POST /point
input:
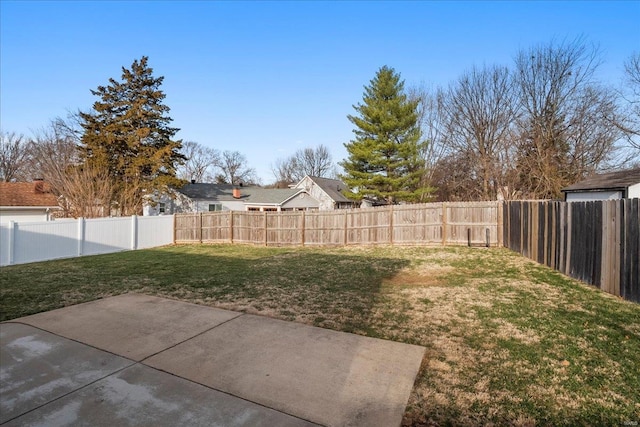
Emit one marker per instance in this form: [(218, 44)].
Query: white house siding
[(634, 191), (325, 203), (301, 201), (149, 210), (227, 205), (176, 204), (203, 205), (24, 215), (588, 196)]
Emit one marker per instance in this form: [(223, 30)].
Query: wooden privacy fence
[(597, 242), (476, 223)]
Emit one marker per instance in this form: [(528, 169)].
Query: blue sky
[(269, 78)]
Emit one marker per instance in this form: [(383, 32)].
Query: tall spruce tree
[(127, 135), (384, 161)]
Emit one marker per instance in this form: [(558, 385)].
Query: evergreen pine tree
[(127, 134), (383, 161)]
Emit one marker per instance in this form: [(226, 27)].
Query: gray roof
[(249, 194), (607, 181), (271, 195), (333, 188)]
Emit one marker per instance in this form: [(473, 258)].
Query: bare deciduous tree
[(85, 191), (14, 157), (629, 120), (431, 120), (479, 115), (284, 170), (592, 136), (453, 177), (53, 151), (234, 169), (314, 162), (564, 131), (201, 163), (307, 161)]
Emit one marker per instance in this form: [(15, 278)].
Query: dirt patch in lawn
[(423, 275), (408, 278)]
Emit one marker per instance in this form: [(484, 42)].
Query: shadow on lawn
[(330, 289)]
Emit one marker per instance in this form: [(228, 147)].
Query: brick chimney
[(236, 193), (38, 186)]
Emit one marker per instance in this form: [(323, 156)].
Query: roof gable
[(271, 195), (37, 193), (607, 181), (332, 187)]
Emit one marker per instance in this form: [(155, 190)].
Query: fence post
[(81, 236), (12, 239), (302, 230), (500, 230), (522, 214), (199, 227), (569, 240), (134, 232), (507, 221), (175, 225), (547, 231), (279, 228), (266, 237), (346, 221), (562, 239), (391, 225), (444, 224), (617, 227), (231, 226)]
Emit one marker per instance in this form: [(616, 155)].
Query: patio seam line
[(119, 355), (229, 394), (133, 363), (71, 339), (191, 337)]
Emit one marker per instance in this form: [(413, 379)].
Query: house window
[(215, 207), (162, 208)]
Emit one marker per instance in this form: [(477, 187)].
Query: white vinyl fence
[(22, 242)]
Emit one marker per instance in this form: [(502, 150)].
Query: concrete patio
[(141, 360)]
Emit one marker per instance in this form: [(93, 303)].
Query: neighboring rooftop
[(607, 181), (248, 194), (36, 193), (333, 188)]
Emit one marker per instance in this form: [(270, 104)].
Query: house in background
[(607, 186), (328, 192), (201, 197), (27, 202), (311, 193)]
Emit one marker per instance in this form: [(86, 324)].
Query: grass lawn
[(509, 342)]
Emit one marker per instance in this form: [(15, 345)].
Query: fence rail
[(478, 223), (597, 242), (41, 241)]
